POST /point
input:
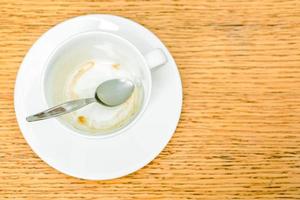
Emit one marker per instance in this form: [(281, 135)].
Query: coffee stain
[(83, 69), (130, 107), (82, 120), (116, 66)]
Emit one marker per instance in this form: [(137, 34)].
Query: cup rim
[(145, 101)]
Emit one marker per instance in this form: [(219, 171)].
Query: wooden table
[(238, 136)]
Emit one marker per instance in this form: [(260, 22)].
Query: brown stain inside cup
[(83, 69), (116, 66), (81, 120)]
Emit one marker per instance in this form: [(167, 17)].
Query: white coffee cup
[(107, 46)]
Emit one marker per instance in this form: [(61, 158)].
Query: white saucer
[(102, 158)]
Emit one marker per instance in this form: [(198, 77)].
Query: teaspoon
[(109, 93)]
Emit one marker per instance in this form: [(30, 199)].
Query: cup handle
[(155, 58)]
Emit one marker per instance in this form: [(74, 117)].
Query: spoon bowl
[(114, 92)]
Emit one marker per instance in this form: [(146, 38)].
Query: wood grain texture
[(238, 137)]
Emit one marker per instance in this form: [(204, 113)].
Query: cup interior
[(80, 64)]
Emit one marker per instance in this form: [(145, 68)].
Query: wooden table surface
[(238, 136)]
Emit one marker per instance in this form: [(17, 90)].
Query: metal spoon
[(110, 93)]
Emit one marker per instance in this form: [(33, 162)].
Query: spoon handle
[(61, 109)]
